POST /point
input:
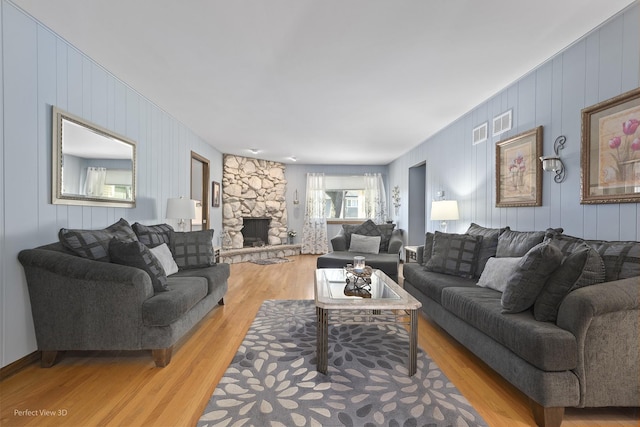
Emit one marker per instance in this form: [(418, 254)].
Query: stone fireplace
[(253, 189), (255, 231)]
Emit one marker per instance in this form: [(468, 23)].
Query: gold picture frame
[(518, 175), (610, 151)]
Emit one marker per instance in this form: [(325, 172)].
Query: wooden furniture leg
[(221, 302), (162, 356), (546, 417), (48, 359)]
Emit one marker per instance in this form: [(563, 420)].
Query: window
[(345, 197)]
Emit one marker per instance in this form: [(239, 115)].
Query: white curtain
[(314, 230), (94, 183), (375, 198)]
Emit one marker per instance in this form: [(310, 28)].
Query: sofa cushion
[(489, 244), (455, 254), (135, 254), (165, 257), (531, 273), (497, 272), (153, 235), (621, 259), (367, 228), (386, 231), (513, 243), (428, 248), (431, 284), (165, 308), (192, 249), (583, 267), (94, 244), (365, 244), (544, 345), (216, 275)]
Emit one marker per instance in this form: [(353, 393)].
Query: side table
[(411, 254)]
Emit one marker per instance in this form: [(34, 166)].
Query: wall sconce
[(554, 163), (444, 210), (295, 198)]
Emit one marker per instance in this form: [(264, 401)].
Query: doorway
[(200, 191), (417, 204)]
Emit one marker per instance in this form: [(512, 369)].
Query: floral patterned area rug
[(272, 380)]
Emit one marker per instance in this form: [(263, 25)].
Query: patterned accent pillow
[(531, 273), (621, 259), (386, 231), (489, 245), (153, 235), (454, 254), (583, 267), (367, 228), (94, 244), (136, 254), (428, 248), (192, 249)]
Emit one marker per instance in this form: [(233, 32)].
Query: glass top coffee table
[(386, 303)]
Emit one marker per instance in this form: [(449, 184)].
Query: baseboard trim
[(18, 365)]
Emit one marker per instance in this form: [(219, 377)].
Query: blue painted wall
[(601, 65), (39, 70)]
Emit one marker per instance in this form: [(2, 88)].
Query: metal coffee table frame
[(390, 304)]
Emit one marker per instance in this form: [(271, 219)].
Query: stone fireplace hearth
[(253, 188)]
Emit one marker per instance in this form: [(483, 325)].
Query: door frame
[(206, 165)]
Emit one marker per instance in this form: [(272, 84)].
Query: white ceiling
[(326, 81)]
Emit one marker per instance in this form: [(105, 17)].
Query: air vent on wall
[(479, 134), (502, 123)]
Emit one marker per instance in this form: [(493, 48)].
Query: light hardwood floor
[(125, 389)]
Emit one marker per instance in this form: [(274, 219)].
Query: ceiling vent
[(480, 134), (502, 123)]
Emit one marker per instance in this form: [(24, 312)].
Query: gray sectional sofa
[(100, 289), (382, 254), (555, 315)]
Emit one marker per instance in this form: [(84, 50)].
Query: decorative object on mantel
[(396, 199), (181, 209), (518, 180), (554, 163), (610, 153), (444, 210)]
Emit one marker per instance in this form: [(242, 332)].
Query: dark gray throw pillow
[(136, 254), (514, 243), (428, 248), (192, 249), (454, 254), (532, 272), (367, 228), (489, 245), (153, 235), (94, 244), (621, 259), (583, 267)]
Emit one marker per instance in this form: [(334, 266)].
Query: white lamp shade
[(181, 208), (444, 210)]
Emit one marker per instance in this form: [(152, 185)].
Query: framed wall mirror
[(92, 166)]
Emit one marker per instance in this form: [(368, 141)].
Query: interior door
[(200, 191)]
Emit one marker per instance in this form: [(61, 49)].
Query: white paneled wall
[(603, 64), (39, 70)]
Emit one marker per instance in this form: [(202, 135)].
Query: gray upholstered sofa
[(575, 342), (386, 257), (79, 303)]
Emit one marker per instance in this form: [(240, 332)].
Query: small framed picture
[(518, 176), (215, 194), (610, 152)]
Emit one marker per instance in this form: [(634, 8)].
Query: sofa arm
[(339, 242), (396, 241), (80, 304), (604, 320)]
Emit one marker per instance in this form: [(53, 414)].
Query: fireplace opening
[(255, 231)]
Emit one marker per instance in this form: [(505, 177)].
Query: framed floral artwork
[(518, 177), (215, 194), (610, 152)]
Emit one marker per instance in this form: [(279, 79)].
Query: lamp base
[(443, 226)]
